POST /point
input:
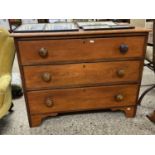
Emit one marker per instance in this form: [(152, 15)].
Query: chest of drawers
[(79, 71)]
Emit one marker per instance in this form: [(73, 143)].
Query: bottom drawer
[(76, 99)]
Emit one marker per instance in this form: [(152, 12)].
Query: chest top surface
[(81, 33)]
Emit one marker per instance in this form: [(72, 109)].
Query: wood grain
[(80, 74), (79, 49), (130, 111), (83, 66), (36, 120), (82, 33), (81, 98)]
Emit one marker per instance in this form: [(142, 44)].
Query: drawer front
[(81, 98), (40, 77), (50, 51)]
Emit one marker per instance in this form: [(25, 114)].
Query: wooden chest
[(79, 71)]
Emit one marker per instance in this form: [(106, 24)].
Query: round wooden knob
[(46, 77), (121, 72), (124, 48), (119, 97), (43, 52), (49, 102)]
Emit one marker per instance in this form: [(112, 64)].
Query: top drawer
[(70, 50)]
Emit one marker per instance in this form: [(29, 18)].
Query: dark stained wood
[(80, 74), (79, 49), (81, 99)]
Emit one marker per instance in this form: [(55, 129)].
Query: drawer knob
[(43, 52), (124, 48), (121, 73), (119, 97), (46, 77), (49, 102)]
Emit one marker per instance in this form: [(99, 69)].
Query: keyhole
[(84, 66), (84, 42)]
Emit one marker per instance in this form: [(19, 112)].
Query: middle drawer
[(55, 76)]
